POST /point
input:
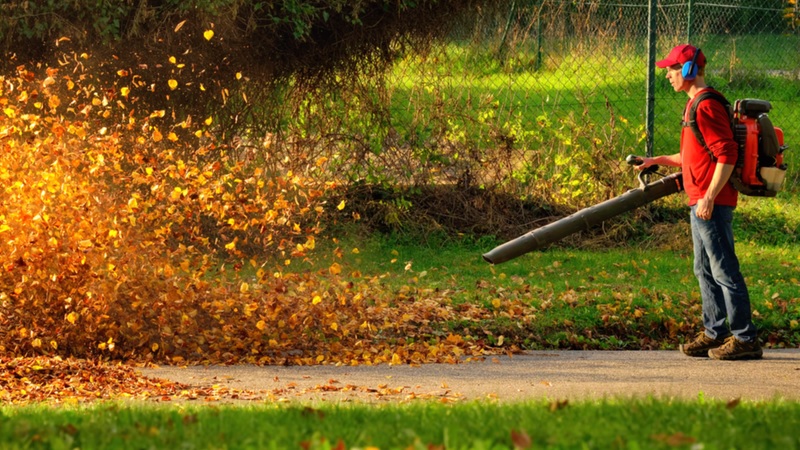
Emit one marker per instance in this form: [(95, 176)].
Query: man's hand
[(704, 209), (646, 162)]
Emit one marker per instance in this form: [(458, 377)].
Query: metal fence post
[(689, 23), (651, 77)]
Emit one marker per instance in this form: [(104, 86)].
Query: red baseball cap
[(682, 54)]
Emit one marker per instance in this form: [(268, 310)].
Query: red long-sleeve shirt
[(696, 163)]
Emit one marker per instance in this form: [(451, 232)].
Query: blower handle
[(634, 160)]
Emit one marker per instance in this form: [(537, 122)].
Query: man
[(706, 171)]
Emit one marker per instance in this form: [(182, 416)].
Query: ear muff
[(689, 71)]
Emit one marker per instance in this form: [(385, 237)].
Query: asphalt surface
[(551, 375)]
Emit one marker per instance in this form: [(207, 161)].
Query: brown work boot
[(734, 349), (701, 344)]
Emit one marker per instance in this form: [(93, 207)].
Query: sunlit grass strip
[(609, 423), (643, 296)]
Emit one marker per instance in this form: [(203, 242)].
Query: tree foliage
[(289, 37)]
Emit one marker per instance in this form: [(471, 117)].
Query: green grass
[(609, 423), (639, 296)]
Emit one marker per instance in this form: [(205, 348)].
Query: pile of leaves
[(135, 235), (55, 379)]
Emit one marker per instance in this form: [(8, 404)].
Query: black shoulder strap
[(692, 123)]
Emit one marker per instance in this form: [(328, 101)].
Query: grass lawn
[(629, 424), (643, 295)]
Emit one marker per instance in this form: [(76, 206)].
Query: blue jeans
[(722, 286)]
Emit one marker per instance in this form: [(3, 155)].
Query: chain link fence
[(555, 92)]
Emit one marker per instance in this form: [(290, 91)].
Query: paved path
[(552, 375)]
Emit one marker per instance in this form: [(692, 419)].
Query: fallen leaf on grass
[(520, 439), (674, 440)]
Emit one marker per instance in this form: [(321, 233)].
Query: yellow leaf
[(172, 136), (317, 299), (72, 317), (238, 75), (231, 246), (173, 84), (335, 269), (209, 120), (335, 326), (125, 91), (154, 347), (157, 136), (53, 101), (244, 288), (341, 206), (172, 59), (208, 34), (261, 325)]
